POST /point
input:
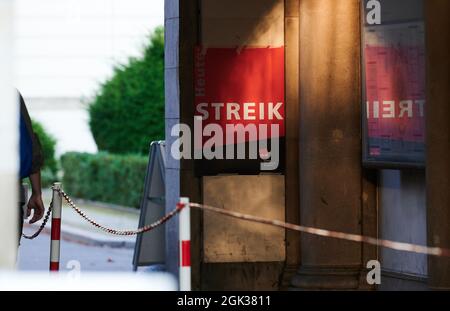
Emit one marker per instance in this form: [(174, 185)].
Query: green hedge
[(104, 177)]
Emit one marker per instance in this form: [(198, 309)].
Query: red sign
[(243, 87)]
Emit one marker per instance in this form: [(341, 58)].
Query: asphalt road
[(34, 255)]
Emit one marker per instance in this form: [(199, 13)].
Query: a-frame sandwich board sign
[(150, 246)]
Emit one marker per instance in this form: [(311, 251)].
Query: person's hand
[(35, 203)]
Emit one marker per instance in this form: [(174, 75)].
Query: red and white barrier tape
[(56, 225), (400, 246)]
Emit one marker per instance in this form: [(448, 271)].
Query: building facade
[(65, 49), (340, 170)]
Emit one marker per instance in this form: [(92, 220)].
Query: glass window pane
[(393, 82)]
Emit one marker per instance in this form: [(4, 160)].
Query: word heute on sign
[(241, 87)]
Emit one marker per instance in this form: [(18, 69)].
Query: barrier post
[(185, 246), (56, 228)]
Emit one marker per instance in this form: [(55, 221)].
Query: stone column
[(438, 137), (9, 139), (172, 117), (331, 176), (180, 39), (291, 39)]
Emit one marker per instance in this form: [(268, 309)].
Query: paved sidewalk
[(74, 227), (34, 255)]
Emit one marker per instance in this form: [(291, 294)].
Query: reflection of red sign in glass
[(240, 87), (395, 91)]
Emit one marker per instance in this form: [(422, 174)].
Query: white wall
[(65, 47)]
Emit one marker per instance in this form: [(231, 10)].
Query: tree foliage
[(128, 111)]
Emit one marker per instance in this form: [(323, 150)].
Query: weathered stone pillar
[(172, 117), (180, 39), (331, 177), (291, 39), (438, 137)]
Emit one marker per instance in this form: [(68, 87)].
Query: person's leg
[(20, 224), (22, 202)]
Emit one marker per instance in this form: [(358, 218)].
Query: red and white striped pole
[(56, 228), (185, 245)]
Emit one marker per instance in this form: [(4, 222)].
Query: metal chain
[(433, 251), (120, 232), (47, 216)]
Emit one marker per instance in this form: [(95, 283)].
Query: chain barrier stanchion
[(406, 247), (56, 227), (144, 229), (183, 207), (184, 226), (42, 226)]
